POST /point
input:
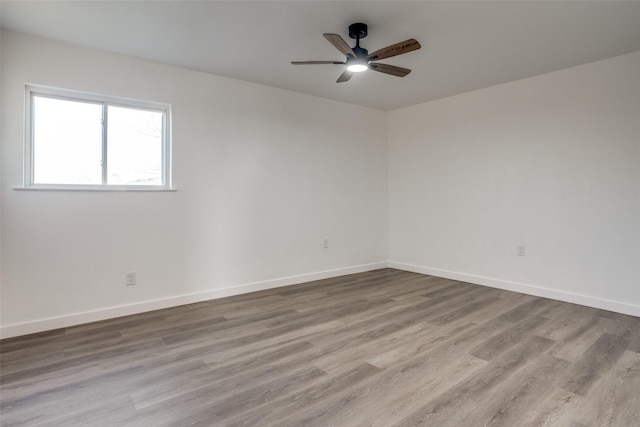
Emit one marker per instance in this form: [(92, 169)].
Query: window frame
[(105, 101)]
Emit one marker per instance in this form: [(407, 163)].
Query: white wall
[(551, 162), (1, 156), (263, 175)]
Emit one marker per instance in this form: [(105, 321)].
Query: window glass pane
[(67, 142), (134, 145)]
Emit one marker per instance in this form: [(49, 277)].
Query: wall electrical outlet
[(521, 250), (325, 243), (131, 278)]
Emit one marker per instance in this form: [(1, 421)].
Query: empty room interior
[(311, 213)]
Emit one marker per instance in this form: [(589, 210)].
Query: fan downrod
[(358, 31)]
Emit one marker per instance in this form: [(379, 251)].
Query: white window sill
[(99, 189)]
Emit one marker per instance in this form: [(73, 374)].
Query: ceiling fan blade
[(390, 69), (339, 43), (395, 49), (345, 77), (315, 62)]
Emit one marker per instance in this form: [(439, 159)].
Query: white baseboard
[(590, 301), (41, 325)]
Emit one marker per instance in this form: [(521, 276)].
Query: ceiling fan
[(358, 59)]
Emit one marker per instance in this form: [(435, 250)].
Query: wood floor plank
[(561, 408), (295, 408), (619, 394), (627, 327), (524, 310), (211, 405), (596, 361), (402, 398), (501, 342), (379, 348), (446, 408), (408, 373), (523, 391), (574, 344)]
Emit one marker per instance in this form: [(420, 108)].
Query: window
[(86, 141)]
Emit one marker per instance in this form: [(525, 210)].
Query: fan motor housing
[(360, 52), (358, 30)]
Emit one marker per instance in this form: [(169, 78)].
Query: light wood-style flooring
[(383, 348)]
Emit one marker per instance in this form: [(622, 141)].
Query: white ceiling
[(465, 45)]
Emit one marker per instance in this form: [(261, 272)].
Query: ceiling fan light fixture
[(357, 67)]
